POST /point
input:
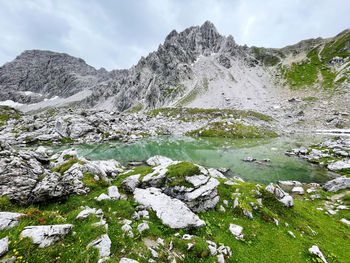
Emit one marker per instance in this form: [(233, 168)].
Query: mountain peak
[(207, 25)]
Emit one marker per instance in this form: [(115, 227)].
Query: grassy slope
[(315, 70), (263, 240), (192, 114), (232, 130)]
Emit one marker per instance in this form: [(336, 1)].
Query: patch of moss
[(67, 140), (309, 98), (192, 114), (177, 173), (232, 130), (65, 166)]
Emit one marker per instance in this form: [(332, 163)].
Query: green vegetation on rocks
[(177, 173), (7, 113), (233, 130), (192, 114)]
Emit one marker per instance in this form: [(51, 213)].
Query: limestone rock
[(127, 260), (316, 251), (158, 160), (113, 192), (337, 184), (4, 247), (338, 165), (103, 244), (9, 219), (46, 235), (172, 212), (130, 183), (236, 230)]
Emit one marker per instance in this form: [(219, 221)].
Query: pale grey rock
[(9, 219), (172, 212), (288, 185), (298, 190), (291, 233), (316, 196), (247, 213), (287, 200), (221, 258), (46, 235), (337, 184), (130, 183), (103, 244), (88, 211), (215, 173), (345, 221), (142, 227), (102, 197), (127, 260), (236, 230), (159, 160), (9, 260), (280, 195), (4, 246), (338, 165), (316, 251), (249, 159), (25, 177), (113, 192)]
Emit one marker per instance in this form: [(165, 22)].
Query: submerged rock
[(46, 235), (171, 211)]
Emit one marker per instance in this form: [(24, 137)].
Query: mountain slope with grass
[(197, 68)]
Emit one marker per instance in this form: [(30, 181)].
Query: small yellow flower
[(16, 253), (14, 250)]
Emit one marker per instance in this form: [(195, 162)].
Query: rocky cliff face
[(197, 67)]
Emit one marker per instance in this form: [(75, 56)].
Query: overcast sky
[(115, 34)]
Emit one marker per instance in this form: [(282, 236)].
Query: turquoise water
[(220, 152)]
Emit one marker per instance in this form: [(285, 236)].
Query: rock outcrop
[(171, 211), (46, 235)]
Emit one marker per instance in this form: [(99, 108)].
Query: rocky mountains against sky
[(189, 69)]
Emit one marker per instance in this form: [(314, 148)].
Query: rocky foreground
[(61, 207)]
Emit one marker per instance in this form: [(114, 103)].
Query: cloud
[(115, 34)]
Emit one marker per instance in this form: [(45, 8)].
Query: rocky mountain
[(189, 69)]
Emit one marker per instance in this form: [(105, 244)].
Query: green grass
[(233, 130), (315, 70), (65, 166), (177, 173), (263, 241), (309, 99), (7, 113), (192, 114)]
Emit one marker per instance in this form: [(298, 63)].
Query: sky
[(114, 34)]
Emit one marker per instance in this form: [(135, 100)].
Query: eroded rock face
[(27, 176), (202, 197), (337, 184), (171, 211), (46, 235)]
